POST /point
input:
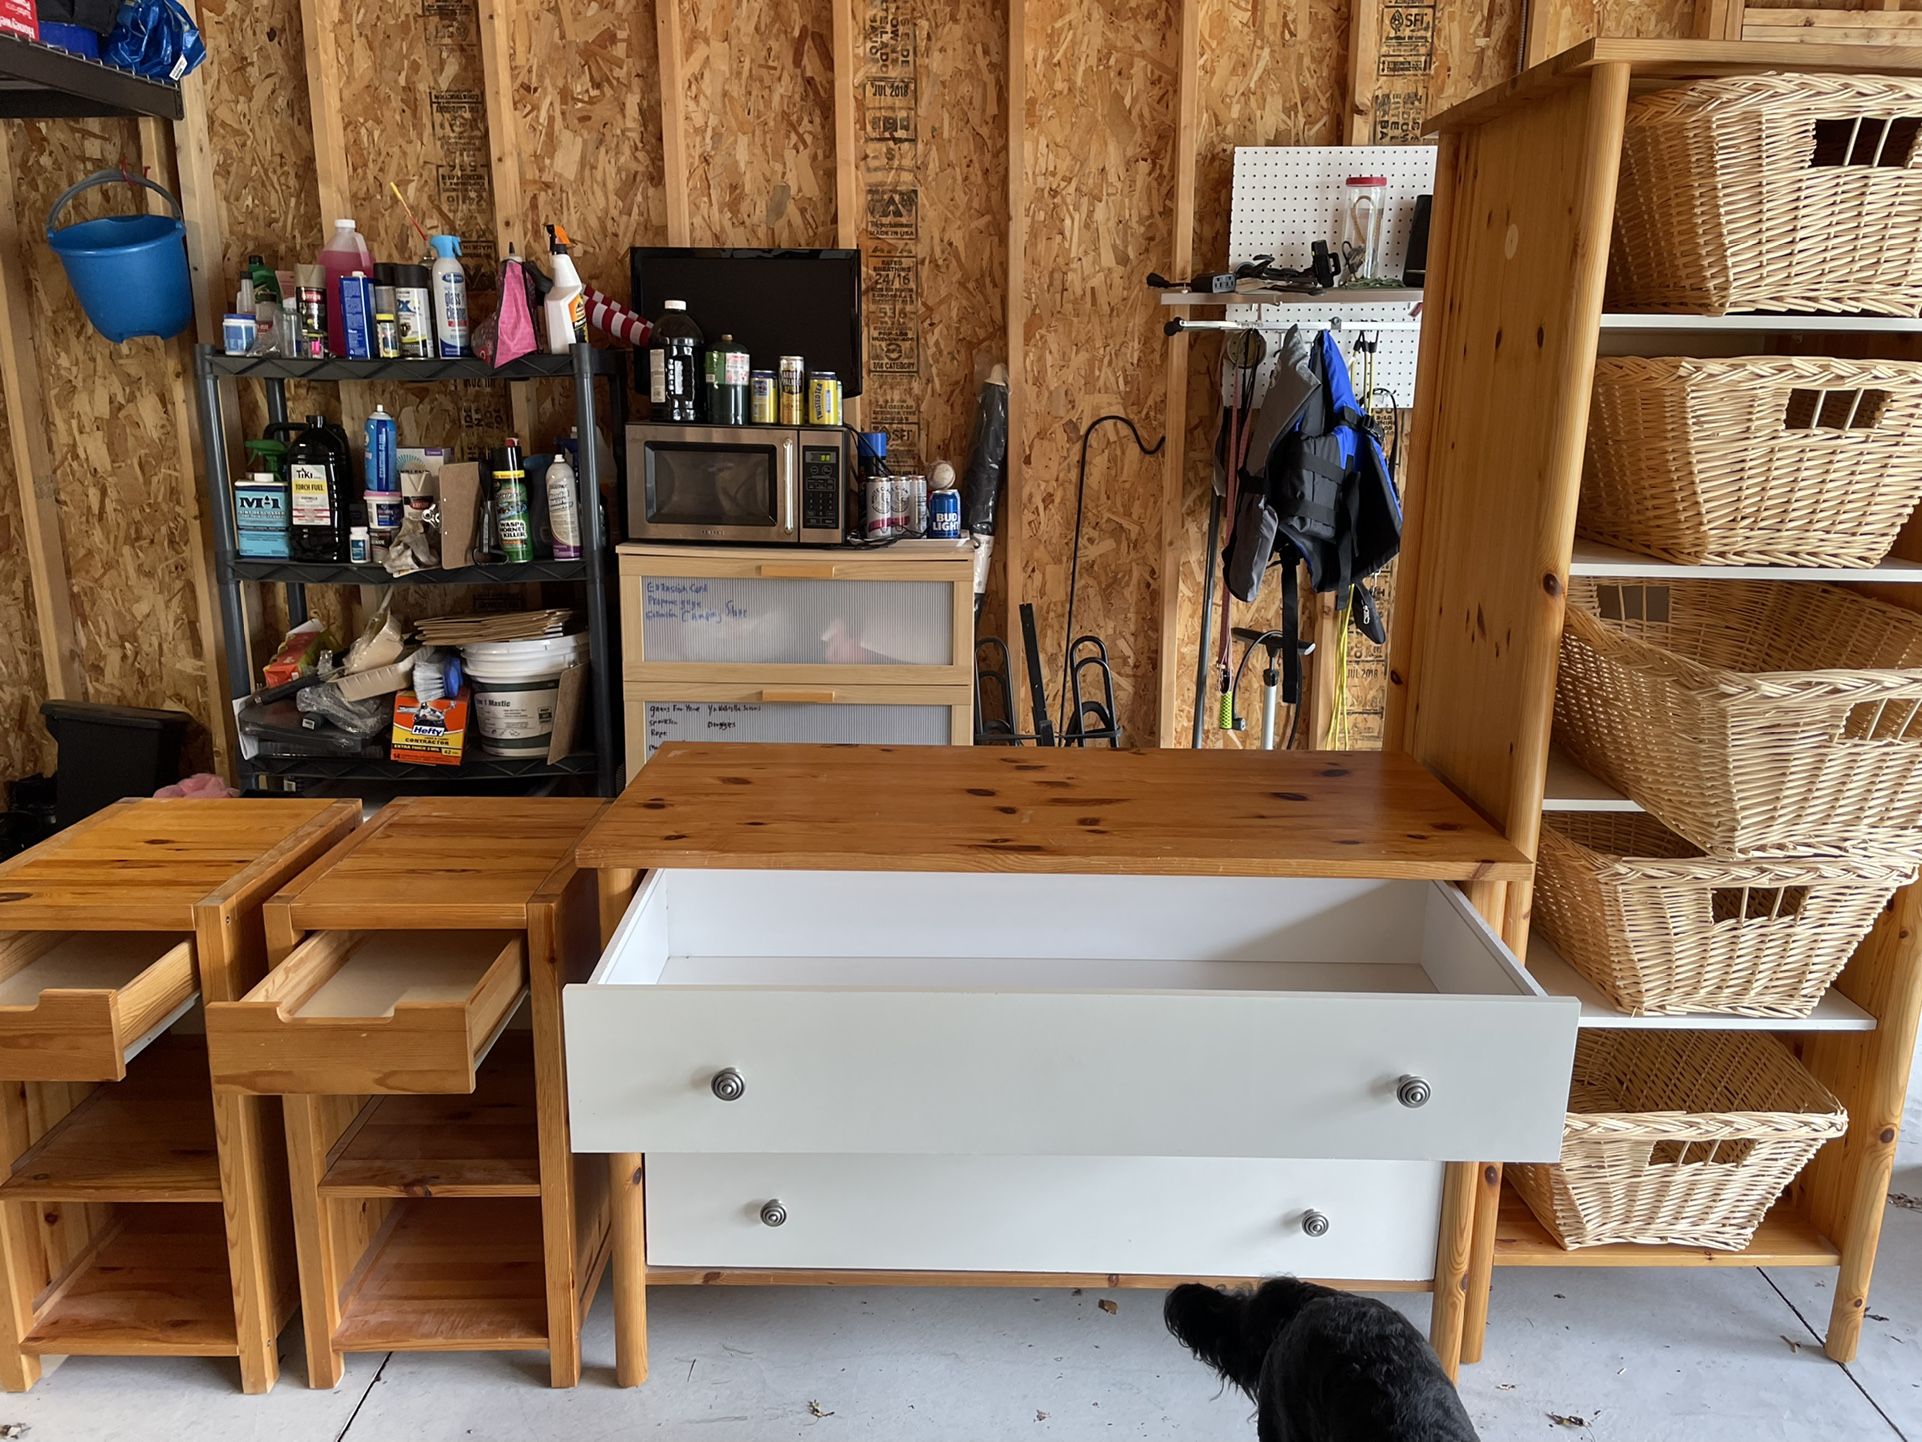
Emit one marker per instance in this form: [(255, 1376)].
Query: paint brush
[(424, 239)]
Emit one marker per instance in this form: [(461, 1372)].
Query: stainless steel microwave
[(737, 483)]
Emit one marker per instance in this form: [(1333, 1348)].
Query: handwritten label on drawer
[(795, 721), (690, 603), (796, 621)]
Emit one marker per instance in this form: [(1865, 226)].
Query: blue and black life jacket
[(1315, 486)]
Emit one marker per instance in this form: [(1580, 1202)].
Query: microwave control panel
[(821, 487)]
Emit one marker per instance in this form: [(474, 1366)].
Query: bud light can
[(944, 515)]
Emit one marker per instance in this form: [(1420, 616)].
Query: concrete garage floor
[(1589, 1356)]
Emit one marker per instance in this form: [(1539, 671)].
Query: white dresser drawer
[(1001, 1014), (1152, 1216), (663, 711)]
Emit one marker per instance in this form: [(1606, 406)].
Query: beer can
[(762, 409), (878, 512), (915, 505), (944, 515), (791, 390), (824, 399)]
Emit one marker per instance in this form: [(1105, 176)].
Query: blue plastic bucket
[(129, 271)]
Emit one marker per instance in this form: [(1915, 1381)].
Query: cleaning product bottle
[(566, 306), (382, 459), (266, 282), (674, 365), (450, 299), (318, 517), (344, 254), (260, 503), (563, 511)]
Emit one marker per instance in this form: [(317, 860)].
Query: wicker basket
[(1663, 930), (1751, 717), (1771, 192), (1757, 460), (1678, 1137)]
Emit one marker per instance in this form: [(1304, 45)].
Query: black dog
[(1321, 1365)]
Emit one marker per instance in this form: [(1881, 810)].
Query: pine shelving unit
[(411, 1028), (137, 1207), (1524, 203)]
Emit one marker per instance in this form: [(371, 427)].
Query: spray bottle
[(566, 305), (450, 299)]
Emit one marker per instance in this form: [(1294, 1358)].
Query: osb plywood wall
[(931, 120), (1093, 149), (24, 747), (1097, 172), (111, 428), (759, 111)]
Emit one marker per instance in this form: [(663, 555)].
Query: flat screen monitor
[(773, 302)]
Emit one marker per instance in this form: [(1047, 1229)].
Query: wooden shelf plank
[(1570, 788), (431, 862), (1765, 324), (450, 1276), (814, 1277), (149, 1138), (1335, 296), (1834, 1012), (479, 1145), (982, 808), (189, 850), (1786, 1238), (1592, 558), (158, 1287)]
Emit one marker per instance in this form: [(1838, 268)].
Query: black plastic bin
[(110, 752)]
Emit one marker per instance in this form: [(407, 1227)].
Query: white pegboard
[(1288, 196)]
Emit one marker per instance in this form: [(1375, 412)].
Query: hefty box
[(433, 733), (18, 17)]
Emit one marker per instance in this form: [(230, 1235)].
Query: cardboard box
[(460, 495), (433, 733)]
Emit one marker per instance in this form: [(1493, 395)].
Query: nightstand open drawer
[(77, 1005), (1018, 1014), (1143, 1216), (860, 618), (353, 1012)]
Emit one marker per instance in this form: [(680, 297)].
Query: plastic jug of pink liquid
[(344, 254)]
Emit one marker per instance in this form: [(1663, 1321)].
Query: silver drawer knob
[(728, 1084), (1314, 1223), (1413, 1091), (773, 1214)]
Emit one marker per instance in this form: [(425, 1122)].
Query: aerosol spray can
[(311, 287), (413, 314), (450, 300), (509, 490)]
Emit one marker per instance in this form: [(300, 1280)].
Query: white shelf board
[(1592, 558), (1337, 295), (1858, 324), (1569, 788), (1834, 1012)]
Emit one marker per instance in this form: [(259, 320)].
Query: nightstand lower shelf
[(157, 1285), (1786, 1238), (450, 1276)]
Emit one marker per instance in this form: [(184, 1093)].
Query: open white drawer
[(994, 1014)]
